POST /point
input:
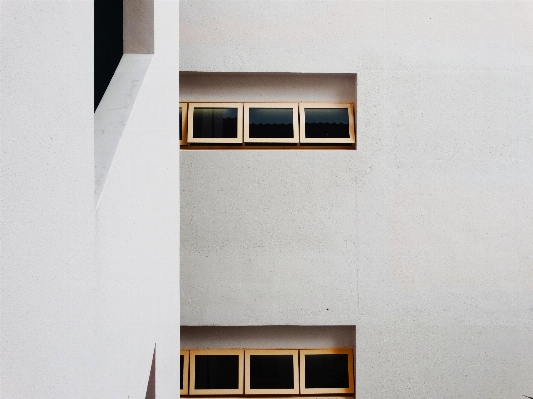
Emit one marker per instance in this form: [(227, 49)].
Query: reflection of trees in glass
[(271, 130), (327, 130), (215, 122)]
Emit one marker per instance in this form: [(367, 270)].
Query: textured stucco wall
[(421, 237)]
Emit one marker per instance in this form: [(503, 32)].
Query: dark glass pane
[(271, 372), (271, 123), (215, 123), (181, 124), (331, 123), (216, 372), (182, 359), (326, 371)]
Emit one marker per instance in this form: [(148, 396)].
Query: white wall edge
[(113, 112)]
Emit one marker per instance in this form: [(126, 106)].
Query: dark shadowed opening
[(216, 372), (271, 372), (326, 371), (108, 47)]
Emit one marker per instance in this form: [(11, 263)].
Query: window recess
[(267, 126), (215, 123), (268, 372)]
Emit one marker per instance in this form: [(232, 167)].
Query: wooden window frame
[(237, 140), (185, 372), (351, 123), (338, 351), (184, 117), (250, 391), (296, 129), (212, 392)]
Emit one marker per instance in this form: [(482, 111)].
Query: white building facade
[(421, 238), (418, 244)]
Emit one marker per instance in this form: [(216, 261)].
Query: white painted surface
[(113, 111), (138, 231), (85, 294), (421, 237), (48, 278)]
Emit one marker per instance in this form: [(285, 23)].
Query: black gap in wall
[(108, 47)]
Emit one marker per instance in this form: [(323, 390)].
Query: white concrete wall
[(48, 275), (85, 293), (138, 231), (421, 237)]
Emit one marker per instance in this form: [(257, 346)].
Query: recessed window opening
[(215, 372), (263, 125)]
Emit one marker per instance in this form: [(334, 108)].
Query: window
[(326, 123), (216, 372), (271, 372), (216, 123), (267, 125), (326, 371), (271, 123)]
